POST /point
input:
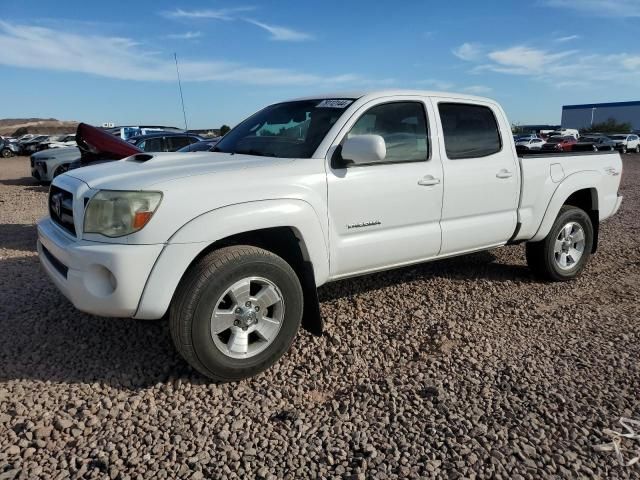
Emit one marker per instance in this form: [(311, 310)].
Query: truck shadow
[(45, 338), (476, 266), (31, 183)]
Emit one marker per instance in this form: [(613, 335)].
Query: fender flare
[(199, 233), (585, 180)]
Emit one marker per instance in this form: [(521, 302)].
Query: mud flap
[(311, 319)]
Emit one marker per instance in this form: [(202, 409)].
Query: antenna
[(175, 57)]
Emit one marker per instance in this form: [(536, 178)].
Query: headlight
[(115, 213)]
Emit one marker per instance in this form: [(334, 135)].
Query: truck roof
[(389, 92)]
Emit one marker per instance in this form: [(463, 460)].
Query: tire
[(623, 150), (543, 257), (60, 170), (638, 148), (206, 289), (595, 149), (6, 153)]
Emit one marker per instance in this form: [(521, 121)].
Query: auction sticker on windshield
[(334, 103)]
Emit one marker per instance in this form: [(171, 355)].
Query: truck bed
[(542, 174)]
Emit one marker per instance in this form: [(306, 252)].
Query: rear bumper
[(103, 279)]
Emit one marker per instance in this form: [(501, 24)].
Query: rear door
[(387, 214), (482, 177)]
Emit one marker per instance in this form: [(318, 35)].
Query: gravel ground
[(461, 368)]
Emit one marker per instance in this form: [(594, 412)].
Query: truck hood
[(145, 170)]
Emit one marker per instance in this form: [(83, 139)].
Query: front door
[(388, 213)]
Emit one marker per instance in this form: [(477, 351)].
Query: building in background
[(583, 116)]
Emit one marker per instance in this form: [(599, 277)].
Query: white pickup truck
[(231, 245)]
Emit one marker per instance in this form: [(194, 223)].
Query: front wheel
[(6, 153), (638, 148), (564, 252), (236, 312), (623, 150)]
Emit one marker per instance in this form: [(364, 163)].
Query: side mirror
[(362, 149)]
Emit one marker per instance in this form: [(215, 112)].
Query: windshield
[(555, 140), (618, 137), (287, 130)]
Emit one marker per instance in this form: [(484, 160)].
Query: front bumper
[(103, 279)]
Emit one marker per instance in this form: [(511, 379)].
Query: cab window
[(403, 126), (470, 131)]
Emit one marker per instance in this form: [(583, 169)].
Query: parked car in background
[(565, 132), (48, 164), (203, 146), (164, 141), (26, 137), (10, 148), (155, 142), (626, 142), (129, 131), (32, 144), (595, 143), (559, 144), (529, 143), (67, 140), (527, 136)]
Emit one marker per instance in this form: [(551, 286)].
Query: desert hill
[(49, 126)]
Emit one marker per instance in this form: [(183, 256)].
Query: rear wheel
[(6, 153), (564, 253), (623, 150), (236, 312)]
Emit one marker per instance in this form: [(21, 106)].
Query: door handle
[(428, 181), (504, 173)]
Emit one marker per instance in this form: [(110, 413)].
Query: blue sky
[(113, 61)]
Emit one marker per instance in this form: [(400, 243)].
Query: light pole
[(593, 111)]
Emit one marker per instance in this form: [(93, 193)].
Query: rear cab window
[(469, 130)]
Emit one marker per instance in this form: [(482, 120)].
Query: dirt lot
[(462, 368)]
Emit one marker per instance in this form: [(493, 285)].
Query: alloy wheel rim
[(247, 317), (569, 246)]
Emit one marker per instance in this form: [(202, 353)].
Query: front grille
[(61, 208)]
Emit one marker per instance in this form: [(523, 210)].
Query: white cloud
[(185, 36), (478, 89), (218, 14), (567, 68), (281, 33), (601, 8), (568, 38), (524, 60), (122, 58), (468, 51)]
